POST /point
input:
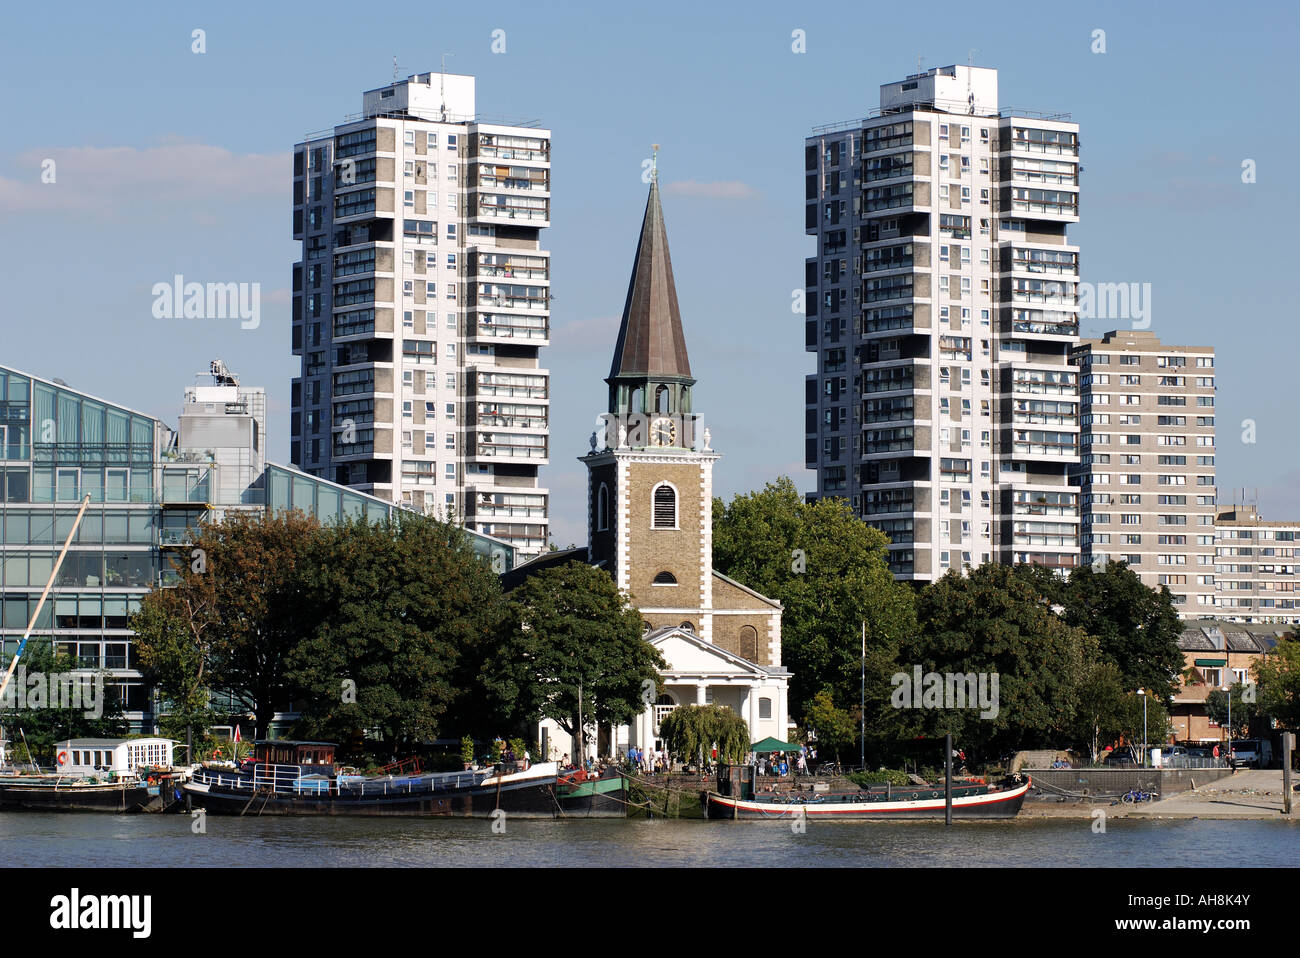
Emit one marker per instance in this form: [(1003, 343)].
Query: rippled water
[(37, 838)]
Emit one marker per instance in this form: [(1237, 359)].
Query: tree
[(570, 632), (1137, 626), (174, 631), (1277, 675), (1242, 713), (829, 570), (1100, 715), (993, 625), (691, 731), (240, 607), (835, 727), (400, 604)]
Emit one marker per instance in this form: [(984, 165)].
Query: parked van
[(1252, 753)]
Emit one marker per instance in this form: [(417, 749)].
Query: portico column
[(753, 712), (701, 693)]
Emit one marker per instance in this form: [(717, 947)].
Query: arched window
[(663, 399), (636, 402), (665, 578), (602, 508), (646, 628), (749, 642), (665, 507), (687, 627)]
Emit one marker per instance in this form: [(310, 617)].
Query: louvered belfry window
[(665, 506)]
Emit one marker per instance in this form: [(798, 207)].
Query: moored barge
[(298, 778), (970, 800)]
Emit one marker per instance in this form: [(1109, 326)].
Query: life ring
[(63, 758)]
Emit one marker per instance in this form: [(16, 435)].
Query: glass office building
[(148, 490)]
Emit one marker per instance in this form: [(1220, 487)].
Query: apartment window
[(450, 411), (410, 138), (451, 141), (451, 320), (432, 143)]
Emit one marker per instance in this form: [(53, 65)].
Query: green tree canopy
[(994, 623), (399, 604), (835, 727), (240, 605), (1277, 675), (569, 629), (690, 732), (1137, 626), (829, 570)]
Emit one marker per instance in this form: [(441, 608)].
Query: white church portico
[(701, 673)]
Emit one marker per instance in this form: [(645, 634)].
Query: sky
[(168, 161)]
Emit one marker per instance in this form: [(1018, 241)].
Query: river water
[(83, 840)]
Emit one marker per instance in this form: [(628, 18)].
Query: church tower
[(650, 469)]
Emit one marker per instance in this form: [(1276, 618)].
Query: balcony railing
[(515, 272), (513, 392), (501, 450)]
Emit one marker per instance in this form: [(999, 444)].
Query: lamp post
[(1143, 693), (1228, 688)]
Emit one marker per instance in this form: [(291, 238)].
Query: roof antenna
[(970, 94), (394, 67), (443, 85)]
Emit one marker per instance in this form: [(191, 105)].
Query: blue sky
[(174, 162)]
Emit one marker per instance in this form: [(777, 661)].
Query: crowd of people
[(646, 761)]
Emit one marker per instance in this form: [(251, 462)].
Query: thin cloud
[(109, 182), (718, 189)]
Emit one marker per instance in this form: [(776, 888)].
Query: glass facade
[(58, 446)]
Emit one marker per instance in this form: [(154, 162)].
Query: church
[(650, 525)]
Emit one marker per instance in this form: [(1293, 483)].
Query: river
[(84, 840)]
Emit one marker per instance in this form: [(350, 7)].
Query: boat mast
[(72, 533)]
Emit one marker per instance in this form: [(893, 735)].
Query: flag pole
[(862, 740)]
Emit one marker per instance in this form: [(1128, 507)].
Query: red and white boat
[(879, 803)]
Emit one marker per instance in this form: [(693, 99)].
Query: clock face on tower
[(663, 432)]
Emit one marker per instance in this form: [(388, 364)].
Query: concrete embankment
[(1246, 794)]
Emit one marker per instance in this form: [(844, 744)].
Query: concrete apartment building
[(1255, 571), (941, 304), (421, 305), (1146, 473)]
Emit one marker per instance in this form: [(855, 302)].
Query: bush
[(881, 776)]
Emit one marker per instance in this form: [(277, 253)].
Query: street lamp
[(1228, 688), (1143, 693)]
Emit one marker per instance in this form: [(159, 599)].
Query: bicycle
[(830, 769), (1135, 795)]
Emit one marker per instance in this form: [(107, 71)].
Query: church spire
[(651, 350)]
